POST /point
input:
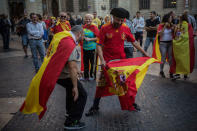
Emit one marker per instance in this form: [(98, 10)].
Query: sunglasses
[(63, 16)]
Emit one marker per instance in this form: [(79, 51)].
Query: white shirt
[(139, 24), (35, 30), (167, 35)]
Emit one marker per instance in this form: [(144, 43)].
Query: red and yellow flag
[(156, 51), (44, 81), (183, 51), (123, 78)]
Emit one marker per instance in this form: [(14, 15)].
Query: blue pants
[(148, 41), (37, 47), (129, 52), (165, 48)]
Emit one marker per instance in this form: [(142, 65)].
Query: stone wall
[(35, 6), (4, 7)]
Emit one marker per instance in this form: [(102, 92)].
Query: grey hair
[(77, 29)]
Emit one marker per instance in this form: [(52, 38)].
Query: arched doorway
[(55, 8), (16, 8)]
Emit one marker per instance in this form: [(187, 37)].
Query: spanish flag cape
[(92, 28), (183, 51), (44, 81), (123, 78), (61, 26), (65, 26), (156, 51)]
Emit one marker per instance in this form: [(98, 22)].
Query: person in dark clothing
[(175, 20), (151, 28), (22, 31), (79, 20), (71, 20), (5, 29)]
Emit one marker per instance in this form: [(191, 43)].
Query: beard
[(116, 25)]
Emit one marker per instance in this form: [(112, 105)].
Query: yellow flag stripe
[(181, 51)]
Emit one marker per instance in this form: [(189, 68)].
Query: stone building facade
[(102, 7)]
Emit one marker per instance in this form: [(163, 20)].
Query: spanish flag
[(44, 81), (123, 78), (156, 51), (183, 51)]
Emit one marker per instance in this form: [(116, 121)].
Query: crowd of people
[(114, 37)]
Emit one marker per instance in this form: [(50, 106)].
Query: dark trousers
[(139, 37), (6, 39), (129, 52), (74, 109), (88, 56)]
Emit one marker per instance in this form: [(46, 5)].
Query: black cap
[(119, 12)]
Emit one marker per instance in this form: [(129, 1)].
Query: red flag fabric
[(123, 78)]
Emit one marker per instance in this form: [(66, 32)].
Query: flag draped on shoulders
[(93, 28), (123, 78), (44, 81), (156, 51), (183, 51)]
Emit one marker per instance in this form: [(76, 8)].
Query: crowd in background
[(51, 25)]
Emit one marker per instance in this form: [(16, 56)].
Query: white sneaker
[(91, 78)]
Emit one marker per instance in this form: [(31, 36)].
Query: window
[(169, 4), (83, 5), (113, 4), (69, 5), (144, 4)]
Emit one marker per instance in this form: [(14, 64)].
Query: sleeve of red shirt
[(129, 35), (101, 36)]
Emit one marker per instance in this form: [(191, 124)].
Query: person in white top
[(139, 24), (165, 45)]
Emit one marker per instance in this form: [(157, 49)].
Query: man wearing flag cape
[(111, 47), (61, 65), (62, 24)]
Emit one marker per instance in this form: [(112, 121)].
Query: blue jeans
[(148, 41), (165, 48), (37, 47)]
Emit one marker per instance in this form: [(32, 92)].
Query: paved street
[(165, 105)]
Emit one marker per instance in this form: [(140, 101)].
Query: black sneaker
[(92, 111), (171, 76), (185, 77), (26, 56), (177, 76), (162, 74), (137, 108), (74, 126)]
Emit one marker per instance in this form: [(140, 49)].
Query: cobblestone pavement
[(165, 105)]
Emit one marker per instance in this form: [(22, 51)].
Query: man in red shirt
[(111, 45), (62, 25)]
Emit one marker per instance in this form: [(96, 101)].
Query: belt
[(36, 39)]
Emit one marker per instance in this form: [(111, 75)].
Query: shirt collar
[(74, 37)]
